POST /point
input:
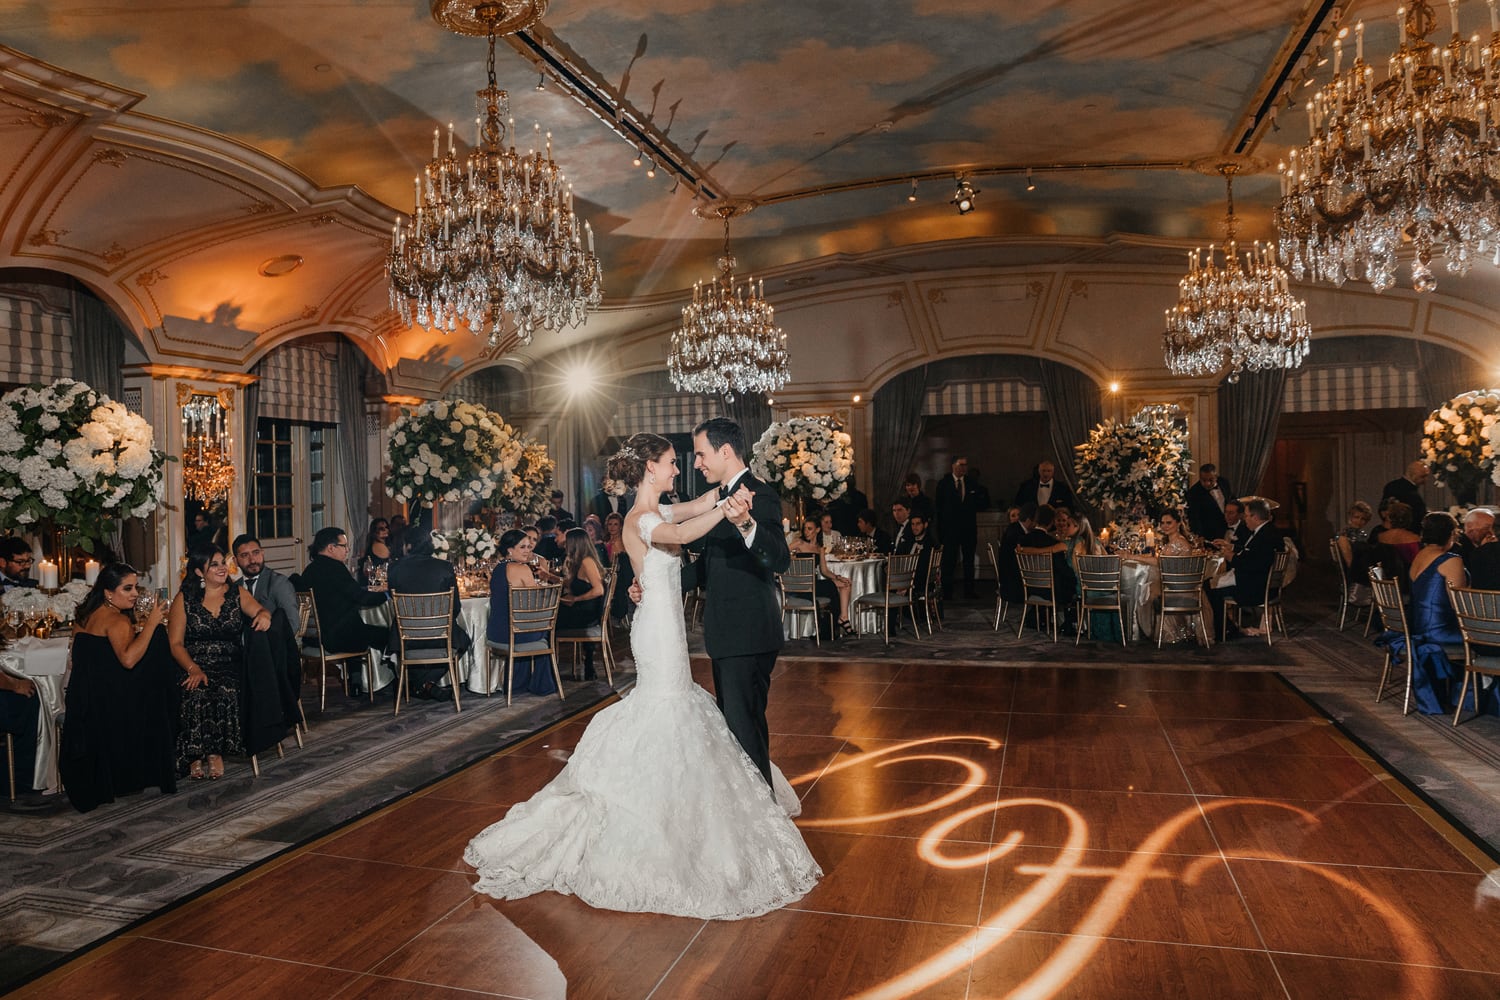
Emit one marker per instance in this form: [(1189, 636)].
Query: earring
[(651, 478)]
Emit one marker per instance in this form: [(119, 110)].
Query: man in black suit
[(957, 510), (274, 592), (548, 544), (1046, 488), (1479, 549), (1408, 489), (1251, 563), (558, 511), (1236, 531), (1039, 540), (741, 612), (605, 504), (1010, 570), (15, 564), (865, 526), (339, 597), (1205, 503), (846, 508), (922, 541), (423, 573), (901, 540)]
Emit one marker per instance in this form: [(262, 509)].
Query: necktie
[(723, 492), (960, 483)]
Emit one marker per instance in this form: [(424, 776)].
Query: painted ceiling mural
[(777, 101)]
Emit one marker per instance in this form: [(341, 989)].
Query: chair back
[(994, 550), (609, 577), (1387, 594), (424, 617), (1181, 582), (1277, 577), (900, 573), (1478, 614), (934, 564), (307, 616), (1338, 561), (534, 609), (801, 578), (1036, 570), (1099, 574)]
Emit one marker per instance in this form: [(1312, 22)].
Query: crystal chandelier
[(729, 343), (1235, 315), (494, 234), (207, 450), (1412, 157)]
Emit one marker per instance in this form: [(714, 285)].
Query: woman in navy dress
[(1433, 624), (533, 673)]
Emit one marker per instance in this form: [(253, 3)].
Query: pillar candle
[(90, 572), (47, 574)]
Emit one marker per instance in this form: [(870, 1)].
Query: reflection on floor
[(986, 831)]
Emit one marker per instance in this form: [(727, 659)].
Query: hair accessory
[(628, 453)]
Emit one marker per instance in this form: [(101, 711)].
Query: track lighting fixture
[(963, 196), (650, 167), (637, 159), (1030, 183), (913, 195)]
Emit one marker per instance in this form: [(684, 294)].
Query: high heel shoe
[(215, 768), (195, 771), (846, 629)]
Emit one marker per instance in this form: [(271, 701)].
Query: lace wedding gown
[(658, 810)]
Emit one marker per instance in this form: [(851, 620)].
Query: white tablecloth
[(1140, 583), (474, 612), (864, 577), (45, 663)]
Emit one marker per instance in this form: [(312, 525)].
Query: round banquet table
[(474, 614), (45, 663), (1140, 582), (865, 576)]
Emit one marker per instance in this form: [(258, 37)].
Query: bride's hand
[(635, 592)]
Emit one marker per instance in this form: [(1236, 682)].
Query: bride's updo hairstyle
[(627, 467)]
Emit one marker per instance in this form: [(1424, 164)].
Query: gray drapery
[(354, 464), (249, 432), (1444, 373), (98, 344), (753, 415), (898, 421), (1249, 414), (1074, 407)]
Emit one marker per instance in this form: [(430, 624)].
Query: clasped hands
[(736, 507)]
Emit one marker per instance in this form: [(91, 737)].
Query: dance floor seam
[(1058, 853)]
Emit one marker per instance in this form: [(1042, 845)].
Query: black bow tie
[(1047, 483), (723, 492)]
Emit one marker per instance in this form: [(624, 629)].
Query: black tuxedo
[(1205, 515), (25, 583), (742, 615), (901, 541), (550, 549), (1483, 564), (923, 548), (1009, 570), (1062, 493), (1063, 577), (601, 505), (1406, 491), (428, 575), (919, 504), (1241, 534), (957, 520), (1252, 567), (339, 598)]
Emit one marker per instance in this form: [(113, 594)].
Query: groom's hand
[(635, 591)]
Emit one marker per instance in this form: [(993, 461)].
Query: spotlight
[(650, 167), (541, 82), (913, 195), (637, 160), (1114, 387), (963, 196), (1030, 184)]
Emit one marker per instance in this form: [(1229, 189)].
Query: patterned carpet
[(72, 880)]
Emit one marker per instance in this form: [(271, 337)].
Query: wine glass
[(145, 600)]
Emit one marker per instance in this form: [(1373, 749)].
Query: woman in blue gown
[(533, 673), (1435, 677)]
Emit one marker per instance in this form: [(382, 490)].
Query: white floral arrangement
[(75, 458), (450, 450), (804, 459), (1143, 462), (33, 601), (1458, 443), (468, 547), (528, 493)]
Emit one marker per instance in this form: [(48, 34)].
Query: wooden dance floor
[(985, 832)]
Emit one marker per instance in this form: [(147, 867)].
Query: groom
[(737, 567)]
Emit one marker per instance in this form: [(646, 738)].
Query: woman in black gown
[(121, 728), (205, 627), (582, 601)]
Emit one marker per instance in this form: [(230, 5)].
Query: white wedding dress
[(659, 810)]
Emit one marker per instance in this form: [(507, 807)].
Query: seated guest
[(204, 628), (582, 600), (1041, 540), (377, 550), (865, 524), (1398, 545), (915, 499), (1479, 549), (827, 583), (558, 511), (122, 699), (1010, 571), (1236, 531), (828, 536), (549, 541), (595, 529), (1355, 550), (901, 540), (20, 715), (339, 598), (1433, 623), (423, 573), (397, 540), (533, 673), (15, 564), (614, 549), (1250, 565), (923, 541)]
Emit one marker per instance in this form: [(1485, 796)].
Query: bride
[(658, 810)]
